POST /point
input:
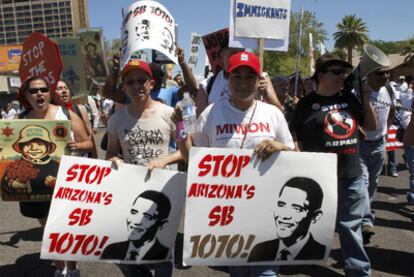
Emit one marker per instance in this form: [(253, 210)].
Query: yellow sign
[(10, 57)]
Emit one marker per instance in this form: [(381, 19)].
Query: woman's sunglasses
[(336, 71), (35, 90)]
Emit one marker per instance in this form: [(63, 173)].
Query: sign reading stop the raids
[(147, 25), (30, 154), (40, 57), (244, 211), (124, 215), (214, 43), (251, 20)]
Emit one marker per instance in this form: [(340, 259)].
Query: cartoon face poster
[(30, 152)]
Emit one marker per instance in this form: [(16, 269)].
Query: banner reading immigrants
[(30, 155)]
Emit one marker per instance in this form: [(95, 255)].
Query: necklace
[(248, 125)]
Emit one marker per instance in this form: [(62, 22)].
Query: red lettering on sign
[(87, 173), (227, 166), (221, 215), (85, 244), (80, 217)]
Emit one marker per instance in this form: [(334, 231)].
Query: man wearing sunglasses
[(327, 120), (372, 148)]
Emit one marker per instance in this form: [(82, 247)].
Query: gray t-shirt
[(143, 140)]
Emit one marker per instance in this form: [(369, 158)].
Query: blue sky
[(386, 20)]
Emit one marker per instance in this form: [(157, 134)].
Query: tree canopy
[(352, 33), (281, 63)]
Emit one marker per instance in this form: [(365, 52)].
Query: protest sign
[(239, 209), (101, 214), (73, 72), (160, 58), (194, 48), (214, 43), (147, 25), (10, 56), (30, 155), (93, 52), (40, 57), (258, 19)]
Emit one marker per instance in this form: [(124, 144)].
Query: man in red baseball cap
[(142, 130), (241, 110)]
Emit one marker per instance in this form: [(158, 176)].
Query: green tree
[(352, 32), (389, 47), (408, 48), (284, 63)]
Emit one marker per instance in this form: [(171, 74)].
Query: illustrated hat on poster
[(32, 132)]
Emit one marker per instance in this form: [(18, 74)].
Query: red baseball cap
[(244, 59), (136, 64)]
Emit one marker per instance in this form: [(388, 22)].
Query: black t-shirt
[(329, 124)]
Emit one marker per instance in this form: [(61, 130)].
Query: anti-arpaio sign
[(239, 209), (97, 212), (40, 57)]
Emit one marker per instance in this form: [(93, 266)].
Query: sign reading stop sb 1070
[(40, 57)]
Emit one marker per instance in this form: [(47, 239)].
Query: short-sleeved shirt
[(143, 140), (168, 95), (382, 103), (224, 126), (219, 90), (329, 124)]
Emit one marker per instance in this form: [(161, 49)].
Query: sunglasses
[(35, 90), (382, 73), (336, 72), (140, 82)]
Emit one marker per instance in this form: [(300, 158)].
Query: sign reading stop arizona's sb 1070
[(239, 208), (40, 57), (97, 212)]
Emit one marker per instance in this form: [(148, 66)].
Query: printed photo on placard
[(30, 155)]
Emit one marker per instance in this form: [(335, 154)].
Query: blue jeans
[(409, 155), (164, 269), (392, 162), (351, 198), (372, 157), (254, 271)]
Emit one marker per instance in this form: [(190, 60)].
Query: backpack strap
[(210, 83), (65, 111)]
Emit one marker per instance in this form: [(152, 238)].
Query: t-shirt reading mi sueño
[(143, 140), (224, 126), (329, 124)]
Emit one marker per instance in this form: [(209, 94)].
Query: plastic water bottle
[(189, 114)]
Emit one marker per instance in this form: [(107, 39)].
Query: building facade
[(53, 18)]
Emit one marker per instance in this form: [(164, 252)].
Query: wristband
[(180, 133)]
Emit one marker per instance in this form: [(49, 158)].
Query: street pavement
[(391, 250)]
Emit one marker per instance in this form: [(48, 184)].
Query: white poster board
[(97, 212), (194, 49), (238, 208), (148, 25), (250, 25)]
